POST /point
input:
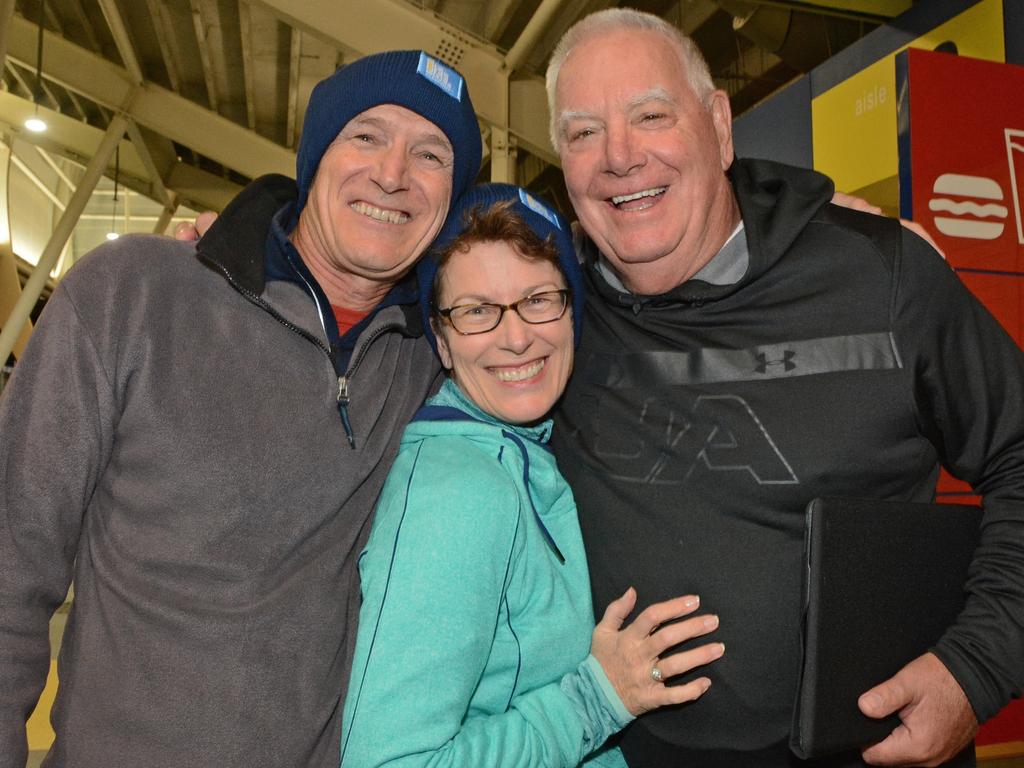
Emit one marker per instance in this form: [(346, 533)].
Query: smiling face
[(517, 371), (380, 194), (644, 159)]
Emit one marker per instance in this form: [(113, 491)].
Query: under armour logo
[(786, 362)]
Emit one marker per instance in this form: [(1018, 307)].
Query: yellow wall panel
[(854, 128), (854, 124), (40, 734)]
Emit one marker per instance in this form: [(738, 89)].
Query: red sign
[(962, 170), (961, 140)]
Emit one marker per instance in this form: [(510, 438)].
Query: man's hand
[(938, 720), (923, 233), (856, 203), (192, 231)]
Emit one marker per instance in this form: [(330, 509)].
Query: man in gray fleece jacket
[(197, 436)]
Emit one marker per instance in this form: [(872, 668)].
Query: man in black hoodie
[(749, 347)]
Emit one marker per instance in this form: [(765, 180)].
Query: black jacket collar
[(236, 243)]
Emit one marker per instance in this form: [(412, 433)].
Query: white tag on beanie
[(444, 77), (538, 207)]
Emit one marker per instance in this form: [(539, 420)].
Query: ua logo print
[(721, 433), (786, 361)]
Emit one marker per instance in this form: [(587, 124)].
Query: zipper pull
[(343, 410)]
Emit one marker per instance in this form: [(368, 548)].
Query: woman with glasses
[(476, 620)]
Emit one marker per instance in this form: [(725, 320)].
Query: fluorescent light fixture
[(35, 125)]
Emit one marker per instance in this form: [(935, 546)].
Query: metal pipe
[(537, 24), (30, 293)]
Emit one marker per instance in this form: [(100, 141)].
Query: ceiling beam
[(72, 139), (391, 24), (39, 183), (170, 115), (160, 148), (6, 12), (294, 59), (76, 102), (497, 16), (204, 53), (248, 65), (19, 79), (50, 95), (552, 33), (52, 18), (83, 21), (167, 41), (200, 190), (690, 15), (529, 36), (121, 39), (77, 142), (160, 193), (61, 174)]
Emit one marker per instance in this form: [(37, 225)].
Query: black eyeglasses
[(535, 309)]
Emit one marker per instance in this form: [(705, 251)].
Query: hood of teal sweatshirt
[(522, 449)]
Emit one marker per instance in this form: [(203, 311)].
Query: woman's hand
[(630, 656)]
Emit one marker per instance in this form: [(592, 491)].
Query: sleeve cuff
[(615, 705)]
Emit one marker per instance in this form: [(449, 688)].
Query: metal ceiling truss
[(390, 24), (150, 105)]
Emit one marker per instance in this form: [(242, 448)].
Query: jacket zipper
[(356, 359), (343, 399)]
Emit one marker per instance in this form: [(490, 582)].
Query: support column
[(10, 284), (503, 156), (166, 215), (30, 294), (503, 148)]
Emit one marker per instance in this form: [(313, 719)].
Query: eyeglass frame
[(446, 313)]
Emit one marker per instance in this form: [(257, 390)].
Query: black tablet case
[(883, 581)]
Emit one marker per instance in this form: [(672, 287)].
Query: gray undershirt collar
[(726, 267)]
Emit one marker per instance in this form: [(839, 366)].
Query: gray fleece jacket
[(171, 440)]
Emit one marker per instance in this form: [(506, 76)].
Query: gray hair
[(613, 19)]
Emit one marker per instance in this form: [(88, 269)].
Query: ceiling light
[(34, 123)]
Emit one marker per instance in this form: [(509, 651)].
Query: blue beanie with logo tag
[(539, 217), (410, 79)]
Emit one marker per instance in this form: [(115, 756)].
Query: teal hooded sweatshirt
[(475, 626)]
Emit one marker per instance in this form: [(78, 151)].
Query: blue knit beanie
[(410, 79), (544, 222)]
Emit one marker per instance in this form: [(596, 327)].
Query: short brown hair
[(497, 224)]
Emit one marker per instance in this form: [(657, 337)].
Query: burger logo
[(973, 205)]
